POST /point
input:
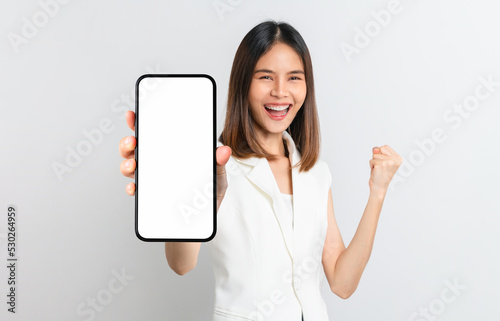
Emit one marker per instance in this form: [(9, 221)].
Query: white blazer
[(264, 268)]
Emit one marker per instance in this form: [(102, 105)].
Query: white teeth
[(277, 108)]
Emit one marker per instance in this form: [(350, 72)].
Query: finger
[(127, 167), (387, 150), (376, 162), (381, 156), (375, 150), (395, 155), (387, 162), (130, 116), (127, 147), (130, 189)]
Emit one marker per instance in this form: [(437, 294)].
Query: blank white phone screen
[(175, 154)]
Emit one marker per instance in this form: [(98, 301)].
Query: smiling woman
[(273, 215), (272, 67), (277, 236), (276, 207)]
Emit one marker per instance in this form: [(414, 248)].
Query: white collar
[(293, 153)]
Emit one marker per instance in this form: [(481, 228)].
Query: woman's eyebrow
[(272, 72)]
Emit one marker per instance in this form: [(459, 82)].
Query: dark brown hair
[(238, 132)]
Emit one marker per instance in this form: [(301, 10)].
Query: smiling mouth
[(278, 111)]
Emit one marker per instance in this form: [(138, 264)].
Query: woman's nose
[(279, 89)]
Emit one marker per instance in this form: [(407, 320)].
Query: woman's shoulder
[(322, 172), (322, 165)]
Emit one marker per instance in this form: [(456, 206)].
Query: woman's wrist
[(378, 193)]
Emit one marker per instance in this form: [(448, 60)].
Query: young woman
[(276, 229)]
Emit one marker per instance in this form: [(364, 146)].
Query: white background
[(440, 220)]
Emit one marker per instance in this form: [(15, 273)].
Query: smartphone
[(175, 197)]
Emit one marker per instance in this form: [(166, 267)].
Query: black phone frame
[(214, 116)]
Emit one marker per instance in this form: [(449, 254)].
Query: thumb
[(222, 154)]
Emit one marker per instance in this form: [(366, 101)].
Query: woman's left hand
[(384, 164)]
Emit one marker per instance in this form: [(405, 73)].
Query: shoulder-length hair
[(238, 132)]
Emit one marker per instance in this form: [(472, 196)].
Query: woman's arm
[(344, 266), (182, 256)]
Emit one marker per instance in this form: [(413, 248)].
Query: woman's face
[(278, 80)]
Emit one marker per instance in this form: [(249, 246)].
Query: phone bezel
[(137, 115)]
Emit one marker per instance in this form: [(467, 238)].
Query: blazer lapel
[(262, 176)]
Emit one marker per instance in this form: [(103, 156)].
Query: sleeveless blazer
[(264, 268)]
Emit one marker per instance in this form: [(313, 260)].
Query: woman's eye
[(268, 77)]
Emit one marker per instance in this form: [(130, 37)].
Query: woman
[(276, 229)]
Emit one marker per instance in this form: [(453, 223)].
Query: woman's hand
[(127, 167), (127, 151), (384, 164)]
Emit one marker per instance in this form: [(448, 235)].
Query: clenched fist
[(384, 164)]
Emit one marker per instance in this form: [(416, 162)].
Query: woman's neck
[(274, 143)]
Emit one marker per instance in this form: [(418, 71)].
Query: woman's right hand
[(127, 167), (127, 151)]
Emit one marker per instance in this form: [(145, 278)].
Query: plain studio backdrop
[(421, 76)]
